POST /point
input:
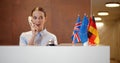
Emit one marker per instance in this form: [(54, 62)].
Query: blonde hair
[(38, 9)]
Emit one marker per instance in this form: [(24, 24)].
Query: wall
[(110, 35), (118, 41), (61, 15)]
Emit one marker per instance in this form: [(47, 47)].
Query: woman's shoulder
[(26, 33), (45, 32), (51, 34)]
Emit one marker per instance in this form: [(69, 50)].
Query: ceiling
[(99, 5)]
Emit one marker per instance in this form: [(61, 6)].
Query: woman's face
[(39, 19)]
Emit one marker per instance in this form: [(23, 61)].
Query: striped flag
[(93, 33), (75, 35)]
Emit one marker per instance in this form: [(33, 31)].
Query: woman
[(38, 34)]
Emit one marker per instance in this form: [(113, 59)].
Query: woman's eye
[(41, 17), (35, 17)]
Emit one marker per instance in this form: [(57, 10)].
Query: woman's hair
[(38, 9)]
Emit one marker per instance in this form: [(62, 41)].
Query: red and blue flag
[(75, 35)]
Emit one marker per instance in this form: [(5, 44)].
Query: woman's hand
[(34, 29), (33, 26)]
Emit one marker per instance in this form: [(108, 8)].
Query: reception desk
[(54, 54)]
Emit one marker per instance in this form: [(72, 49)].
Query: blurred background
[(61, 17), (108, 26)]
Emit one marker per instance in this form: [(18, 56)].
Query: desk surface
[(54, 54)]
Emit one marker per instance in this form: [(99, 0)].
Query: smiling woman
[(38, 34), (61, 17)]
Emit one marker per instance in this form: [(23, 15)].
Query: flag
[(75, 35), (84, 30), (93, 33)]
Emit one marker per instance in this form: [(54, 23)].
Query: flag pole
[(90, 8), (78, 14)]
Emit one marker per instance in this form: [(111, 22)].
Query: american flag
[(75, 35)]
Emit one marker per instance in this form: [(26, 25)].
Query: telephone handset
[(30, 20)]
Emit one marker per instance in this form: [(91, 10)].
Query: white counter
[(54, 54)]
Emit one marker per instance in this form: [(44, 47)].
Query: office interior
[(61, 17)]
